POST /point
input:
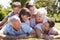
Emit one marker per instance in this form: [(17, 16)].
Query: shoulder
[(54, 31), (6, 27), (45, 19), (24, 25), (39, 25), (10, 13)]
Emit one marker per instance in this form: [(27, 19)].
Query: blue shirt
[(8, 30)]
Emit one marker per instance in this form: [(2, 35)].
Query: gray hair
[(11, 19), (42, 11)]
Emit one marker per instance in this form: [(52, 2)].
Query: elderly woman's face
[(39, 17)]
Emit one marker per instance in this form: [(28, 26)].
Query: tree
[(22, 2)]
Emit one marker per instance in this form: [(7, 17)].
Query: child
[(16, 8), (47, 30)]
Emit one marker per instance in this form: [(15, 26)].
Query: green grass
[(57, 25)]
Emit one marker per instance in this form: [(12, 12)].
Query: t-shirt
[(32, 22), (51, 32), (8, 30), (10, 15)]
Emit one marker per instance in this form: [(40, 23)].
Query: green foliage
[(22, 2), (4, 12), (2, 15), (55, 16)]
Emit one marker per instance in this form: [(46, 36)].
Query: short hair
[(16, 4), (42, 11), (51, 23), (23, 12), (11, 19), (28, 5)]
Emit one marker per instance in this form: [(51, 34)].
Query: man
[(16, 28), (16, 8), (47, 30)]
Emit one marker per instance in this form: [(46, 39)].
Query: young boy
[(47, 30), (16, 8)]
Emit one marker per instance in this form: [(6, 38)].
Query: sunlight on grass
[(57, 25)]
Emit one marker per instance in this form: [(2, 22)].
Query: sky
[(5, 3)]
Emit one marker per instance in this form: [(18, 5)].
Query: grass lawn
[(57, 25)]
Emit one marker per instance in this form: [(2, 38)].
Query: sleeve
[(26, 28), (9, 14), (5, 29), (54, 31)]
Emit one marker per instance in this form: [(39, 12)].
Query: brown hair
[(23, 12), (27, 5), (51, 23), (15, 4)]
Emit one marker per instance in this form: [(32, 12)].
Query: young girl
[(24, 15), (24, 18)]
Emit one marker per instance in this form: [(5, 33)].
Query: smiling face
[(16, 6), (39, 17), (46, 27), (24, 17), (16, 9), (32, 9)]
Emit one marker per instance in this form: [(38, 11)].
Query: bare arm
[(45, 36), (57, 36), (39, 34), (3, 22), (5, 19), (32, 34), (19, 36), (8, 36)]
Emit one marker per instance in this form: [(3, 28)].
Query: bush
[(4, 12), (2, 15), (55, 16)]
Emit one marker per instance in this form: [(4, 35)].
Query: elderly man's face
[(39, 18), (16, 24)]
